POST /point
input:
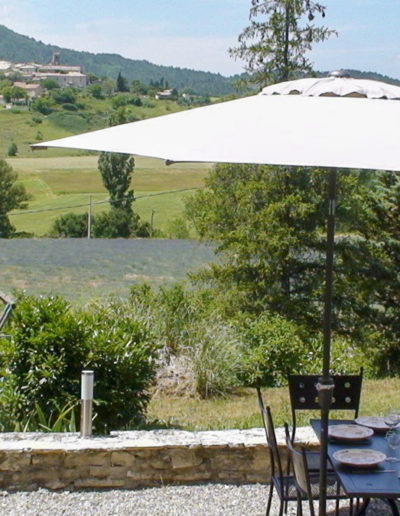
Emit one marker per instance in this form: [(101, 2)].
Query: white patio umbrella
[(334, 122)]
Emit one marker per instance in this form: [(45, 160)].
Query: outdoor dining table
[(381, 481)]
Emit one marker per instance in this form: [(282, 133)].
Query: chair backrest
[(9, 304), (300, 470), (304, 395), (276, 464)]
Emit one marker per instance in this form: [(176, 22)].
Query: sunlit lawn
[(241, 411), (64, 184)]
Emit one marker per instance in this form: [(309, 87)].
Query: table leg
[(361, 510), (393, 506)]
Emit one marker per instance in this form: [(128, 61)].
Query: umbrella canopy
[(272, 127), (302, 123)]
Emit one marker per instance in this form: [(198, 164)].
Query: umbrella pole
[(325, 385)]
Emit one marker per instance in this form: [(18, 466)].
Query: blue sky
[(197, 33)]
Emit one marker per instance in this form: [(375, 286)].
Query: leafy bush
[(64, 96), (272, 348), (177, 228), (43, 105), (69, 107), (48, 350), (12, 149), (123, 358), (96, 91), (119, 100), (346, 358), (137, 101), (113, 224), (119, 223), (50, 345), (70, 225)]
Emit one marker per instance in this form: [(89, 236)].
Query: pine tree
[(275, 44)]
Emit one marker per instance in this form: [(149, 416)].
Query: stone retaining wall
[(134, 459)]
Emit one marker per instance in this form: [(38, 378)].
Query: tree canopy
[(275, 44), (12, 196)]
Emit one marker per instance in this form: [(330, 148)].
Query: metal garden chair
[(303, 396), (307, 481)]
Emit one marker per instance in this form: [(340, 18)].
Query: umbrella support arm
[(325, 386)]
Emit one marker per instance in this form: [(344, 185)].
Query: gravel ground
[(200, 500)]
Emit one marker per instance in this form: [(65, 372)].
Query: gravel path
[(200, 500)]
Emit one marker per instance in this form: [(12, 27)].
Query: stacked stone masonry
[(136, 459)]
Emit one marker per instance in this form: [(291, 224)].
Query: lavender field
[(82, 270)]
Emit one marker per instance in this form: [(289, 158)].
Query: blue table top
[(381, 481)]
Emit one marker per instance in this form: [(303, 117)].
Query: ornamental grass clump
[(215, 352)]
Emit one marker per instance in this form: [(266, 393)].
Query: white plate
[(359, 457), (350, 432), (375, 422)]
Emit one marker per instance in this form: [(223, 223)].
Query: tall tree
[(116, 171), (12, 196), (379, 280), (275, 44), (269, 221), (122, 83), (269, 228)]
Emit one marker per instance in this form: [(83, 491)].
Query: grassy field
[(59, 185), (81, 269), (61, 180), (25, 127), (242, 411)]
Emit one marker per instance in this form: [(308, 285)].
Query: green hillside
[(18, 48)]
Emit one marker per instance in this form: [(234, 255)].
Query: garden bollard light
[(86, 403)]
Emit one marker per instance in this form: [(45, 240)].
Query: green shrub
[(137, 101), (119, 223), (178, 228), (346, 358), (48, 350), (123, 358), (12, 149), (51, 344), (64, 96), (42, 105), (69, 107), (70, 225), (119, 100), (272, 348)]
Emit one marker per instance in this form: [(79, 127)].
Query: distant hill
[(17, 48), (367, 75)]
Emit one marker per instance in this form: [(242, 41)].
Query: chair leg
[(337, 499), (299, 505), (271, 490)]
